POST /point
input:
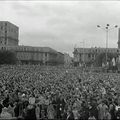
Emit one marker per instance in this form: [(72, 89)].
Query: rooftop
[(9, 23), (30, 48)]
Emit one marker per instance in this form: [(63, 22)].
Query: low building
[(9, 39), (36, 55), (60, 58), (85, 55)]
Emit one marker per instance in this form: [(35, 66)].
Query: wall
[(27, 54), (8, 33), (90, 54)]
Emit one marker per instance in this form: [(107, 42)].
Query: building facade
[(36, 55), (8, 33), (9, 39), (86, 55)]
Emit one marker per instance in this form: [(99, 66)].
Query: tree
[(101, 58), (7, 57)]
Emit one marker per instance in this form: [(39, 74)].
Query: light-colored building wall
[(30, 54), (9, 33), (87, 54)]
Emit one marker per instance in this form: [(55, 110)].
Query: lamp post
[(107, 29), (83, 51)]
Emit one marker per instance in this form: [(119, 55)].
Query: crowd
[(32, 92)]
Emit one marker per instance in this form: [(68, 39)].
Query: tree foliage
[(7, 57)]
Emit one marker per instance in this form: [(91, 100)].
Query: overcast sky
[(63, 25)]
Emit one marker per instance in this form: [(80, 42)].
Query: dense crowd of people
[(31, 92)]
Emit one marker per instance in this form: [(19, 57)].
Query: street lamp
[(107, 29), (83, 51)]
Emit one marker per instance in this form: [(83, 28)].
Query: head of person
[(91, 114)]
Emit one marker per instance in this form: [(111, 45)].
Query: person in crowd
[(37, 111), (6, 101), (84, 111), (91, 117), (76, 113), (112, 109), (118, 114), (107, 115), (102, 107), (50, 111), (5, 114), (30, 113), (1, 106), (16, 109), (70, 115), (11, 109), (93, 110)]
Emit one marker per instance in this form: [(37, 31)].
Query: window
[(1, 27), (89, 55), (45, 54)]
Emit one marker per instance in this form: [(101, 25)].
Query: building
[(86, 55), (60, 58), (67, 59), (8, 33), (36, 55)]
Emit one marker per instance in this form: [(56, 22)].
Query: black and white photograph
[(59, 60)]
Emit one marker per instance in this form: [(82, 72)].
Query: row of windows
[(1, 27), (23, 49), (29, 56), (109, 50), (99, 50), (23, 56), (9, 29), (12, 30), (3, 42)]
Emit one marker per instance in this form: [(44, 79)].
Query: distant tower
[(8, 33), (119, 38)]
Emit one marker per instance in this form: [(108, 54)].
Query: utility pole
[(107, 29)]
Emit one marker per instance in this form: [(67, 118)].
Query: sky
[(63, 25)]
